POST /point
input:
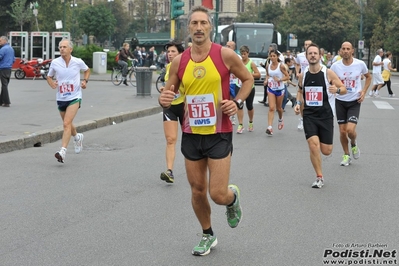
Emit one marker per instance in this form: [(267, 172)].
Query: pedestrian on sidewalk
[(7, 58), (66, 71)]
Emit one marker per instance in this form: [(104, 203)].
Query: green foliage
[(123, 21), (391, 42), (266, 13), (5, 18), (86, 54), (21, 13), (376, 40), (98, 21), (327, 23)]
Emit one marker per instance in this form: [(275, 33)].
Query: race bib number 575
[(201, 110)]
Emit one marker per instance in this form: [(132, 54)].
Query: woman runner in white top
[(276, 75)]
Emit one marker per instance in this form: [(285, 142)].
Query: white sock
[(64, 149)]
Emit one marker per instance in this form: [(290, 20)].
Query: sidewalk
[(33, 118)]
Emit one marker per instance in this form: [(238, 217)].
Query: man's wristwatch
[(87, 81), (338, 90), (239, 103)]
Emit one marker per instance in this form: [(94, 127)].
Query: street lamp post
[(109, 40), (73, 6), (162, 20), (361, 26), (35, 6), (63, 20)]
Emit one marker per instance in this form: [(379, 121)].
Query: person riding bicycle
[(124, 56)]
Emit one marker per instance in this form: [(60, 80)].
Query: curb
[(39, 138)]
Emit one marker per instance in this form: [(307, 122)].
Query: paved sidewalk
[(33, 117)]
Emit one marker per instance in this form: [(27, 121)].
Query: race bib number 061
[(201, 110)]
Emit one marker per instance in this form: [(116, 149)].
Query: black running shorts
[(63, 105), (215, 146), (174, 113), (347, 111), (323, 128)]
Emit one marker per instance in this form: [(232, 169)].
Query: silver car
[(261, 69)]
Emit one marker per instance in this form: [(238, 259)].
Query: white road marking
[(383, 105)]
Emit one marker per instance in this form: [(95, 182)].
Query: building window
[(167, 7), (240, 5)]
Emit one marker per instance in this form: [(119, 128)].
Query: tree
[(376, 40), (391, 42), (98, 21), (266, 13), (21, 13), (327, 23), (145, 15), (5, 18), (123, 21), (53, 10)]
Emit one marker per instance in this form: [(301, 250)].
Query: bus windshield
[(257, 36), (257, 39)]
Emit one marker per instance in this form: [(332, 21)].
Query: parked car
[(261, 69)]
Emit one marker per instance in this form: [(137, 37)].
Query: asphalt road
[(107, 205)]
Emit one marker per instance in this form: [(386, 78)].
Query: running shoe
[(250, 127), (60, 155), (355, 152), (240, 129), (300, 125), (371, 93), (269, 131), (167, 176), (234, 213), (392, 95), (205, 245), (376, 95), (346, 160), (78, 143), (233, 119), (280, 124), (319, 183)]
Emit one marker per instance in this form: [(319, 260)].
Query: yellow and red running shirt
[(204, 85)]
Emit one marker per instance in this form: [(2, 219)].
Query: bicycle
[(161, 80), (116, 75)]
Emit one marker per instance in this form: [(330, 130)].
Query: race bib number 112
[(314, 96)]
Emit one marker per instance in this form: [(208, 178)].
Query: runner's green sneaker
[(167, 176), (346, 160), (234, 213), (205, 245), (355, 152)]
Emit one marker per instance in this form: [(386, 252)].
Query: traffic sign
[(361, 44)]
